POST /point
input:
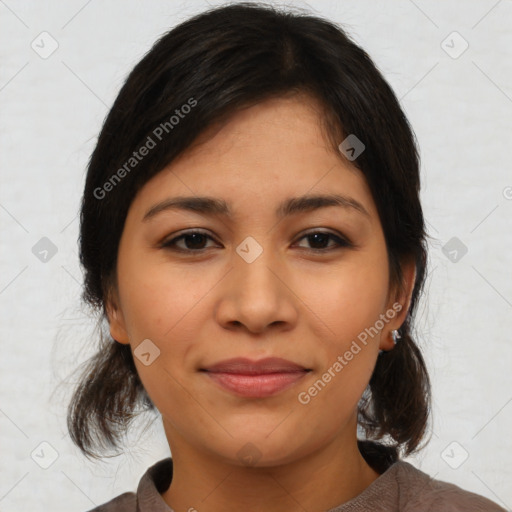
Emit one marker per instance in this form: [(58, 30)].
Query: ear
[(399, 302), (116, 320)]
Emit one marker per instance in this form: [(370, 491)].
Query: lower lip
[(256, 386)]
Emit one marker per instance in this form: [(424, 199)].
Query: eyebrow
[(292, 206)]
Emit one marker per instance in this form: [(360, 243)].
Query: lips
[(245, 366), (255, 379)]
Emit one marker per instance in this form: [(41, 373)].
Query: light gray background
[(460, 107)]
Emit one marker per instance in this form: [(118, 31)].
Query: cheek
[(159, 298), (349, 303), (163, 304), (350, 298), (348, 348)]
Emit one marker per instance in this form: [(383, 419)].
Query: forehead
[(276, 122), (263, 154)]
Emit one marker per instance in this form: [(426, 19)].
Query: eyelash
[(340, 242)]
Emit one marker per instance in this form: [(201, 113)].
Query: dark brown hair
[(226, 59)]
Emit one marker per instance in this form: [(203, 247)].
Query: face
[(262, 281)]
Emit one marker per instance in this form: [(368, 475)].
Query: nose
[(257, 295)]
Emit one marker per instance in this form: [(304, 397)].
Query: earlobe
[(117, 323), (400, 305)]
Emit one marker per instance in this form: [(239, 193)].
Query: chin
[(263, 450)]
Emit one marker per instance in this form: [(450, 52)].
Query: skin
[(202, 307)]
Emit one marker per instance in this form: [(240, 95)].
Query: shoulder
[(419, 491), (154, 481), (126, 502)]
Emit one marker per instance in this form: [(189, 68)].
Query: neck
[(320, 481)]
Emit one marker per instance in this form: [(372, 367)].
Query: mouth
[(255, 379)]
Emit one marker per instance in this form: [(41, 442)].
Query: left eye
[(194, 240), (319, 237)]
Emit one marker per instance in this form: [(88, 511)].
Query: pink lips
[(256, 379)]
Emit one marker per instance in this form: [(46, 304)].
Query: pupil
[(197, 237), (318, 237)]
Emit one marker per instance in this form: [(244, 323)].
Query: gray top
[(402, 487)]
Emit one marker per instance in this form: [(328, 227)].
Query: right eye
[(192, 239)]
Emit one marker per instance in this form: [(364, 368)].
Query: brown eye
[(319, 240), (194, 241)]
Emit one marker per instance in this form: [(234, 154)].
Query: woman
[(252, 232)]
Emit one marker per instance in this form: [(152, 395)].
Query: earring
[(395, 335)]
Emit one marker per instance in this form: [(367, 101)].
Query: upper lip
[(241, 365)]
